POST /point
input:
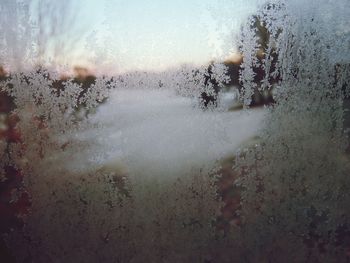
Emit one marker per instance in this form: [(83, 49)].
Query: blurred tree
[(209, 97), (262, 95), (55, 25), (37, 32)]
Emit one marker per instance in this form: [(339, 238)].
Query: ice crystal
[(296, 179), (138, 178)]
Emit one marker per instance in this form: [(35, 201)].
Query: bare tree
[(37, 32)]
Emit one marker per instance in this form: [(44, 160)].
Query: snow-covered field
[(156, 133)]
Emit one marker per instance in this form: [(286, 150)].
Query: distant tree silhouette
[(210, 99)]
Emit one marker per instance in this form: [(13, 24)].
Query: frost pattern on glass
[(79, 198), (295, 179)]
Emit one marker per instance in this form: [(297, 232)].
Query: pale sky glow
[(150, 35), (157, 34)]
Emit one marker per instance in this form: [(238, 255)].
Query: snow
[(156, 133)]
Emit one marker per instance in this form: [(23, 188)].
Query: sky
[(148, 35), (126, 35)]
